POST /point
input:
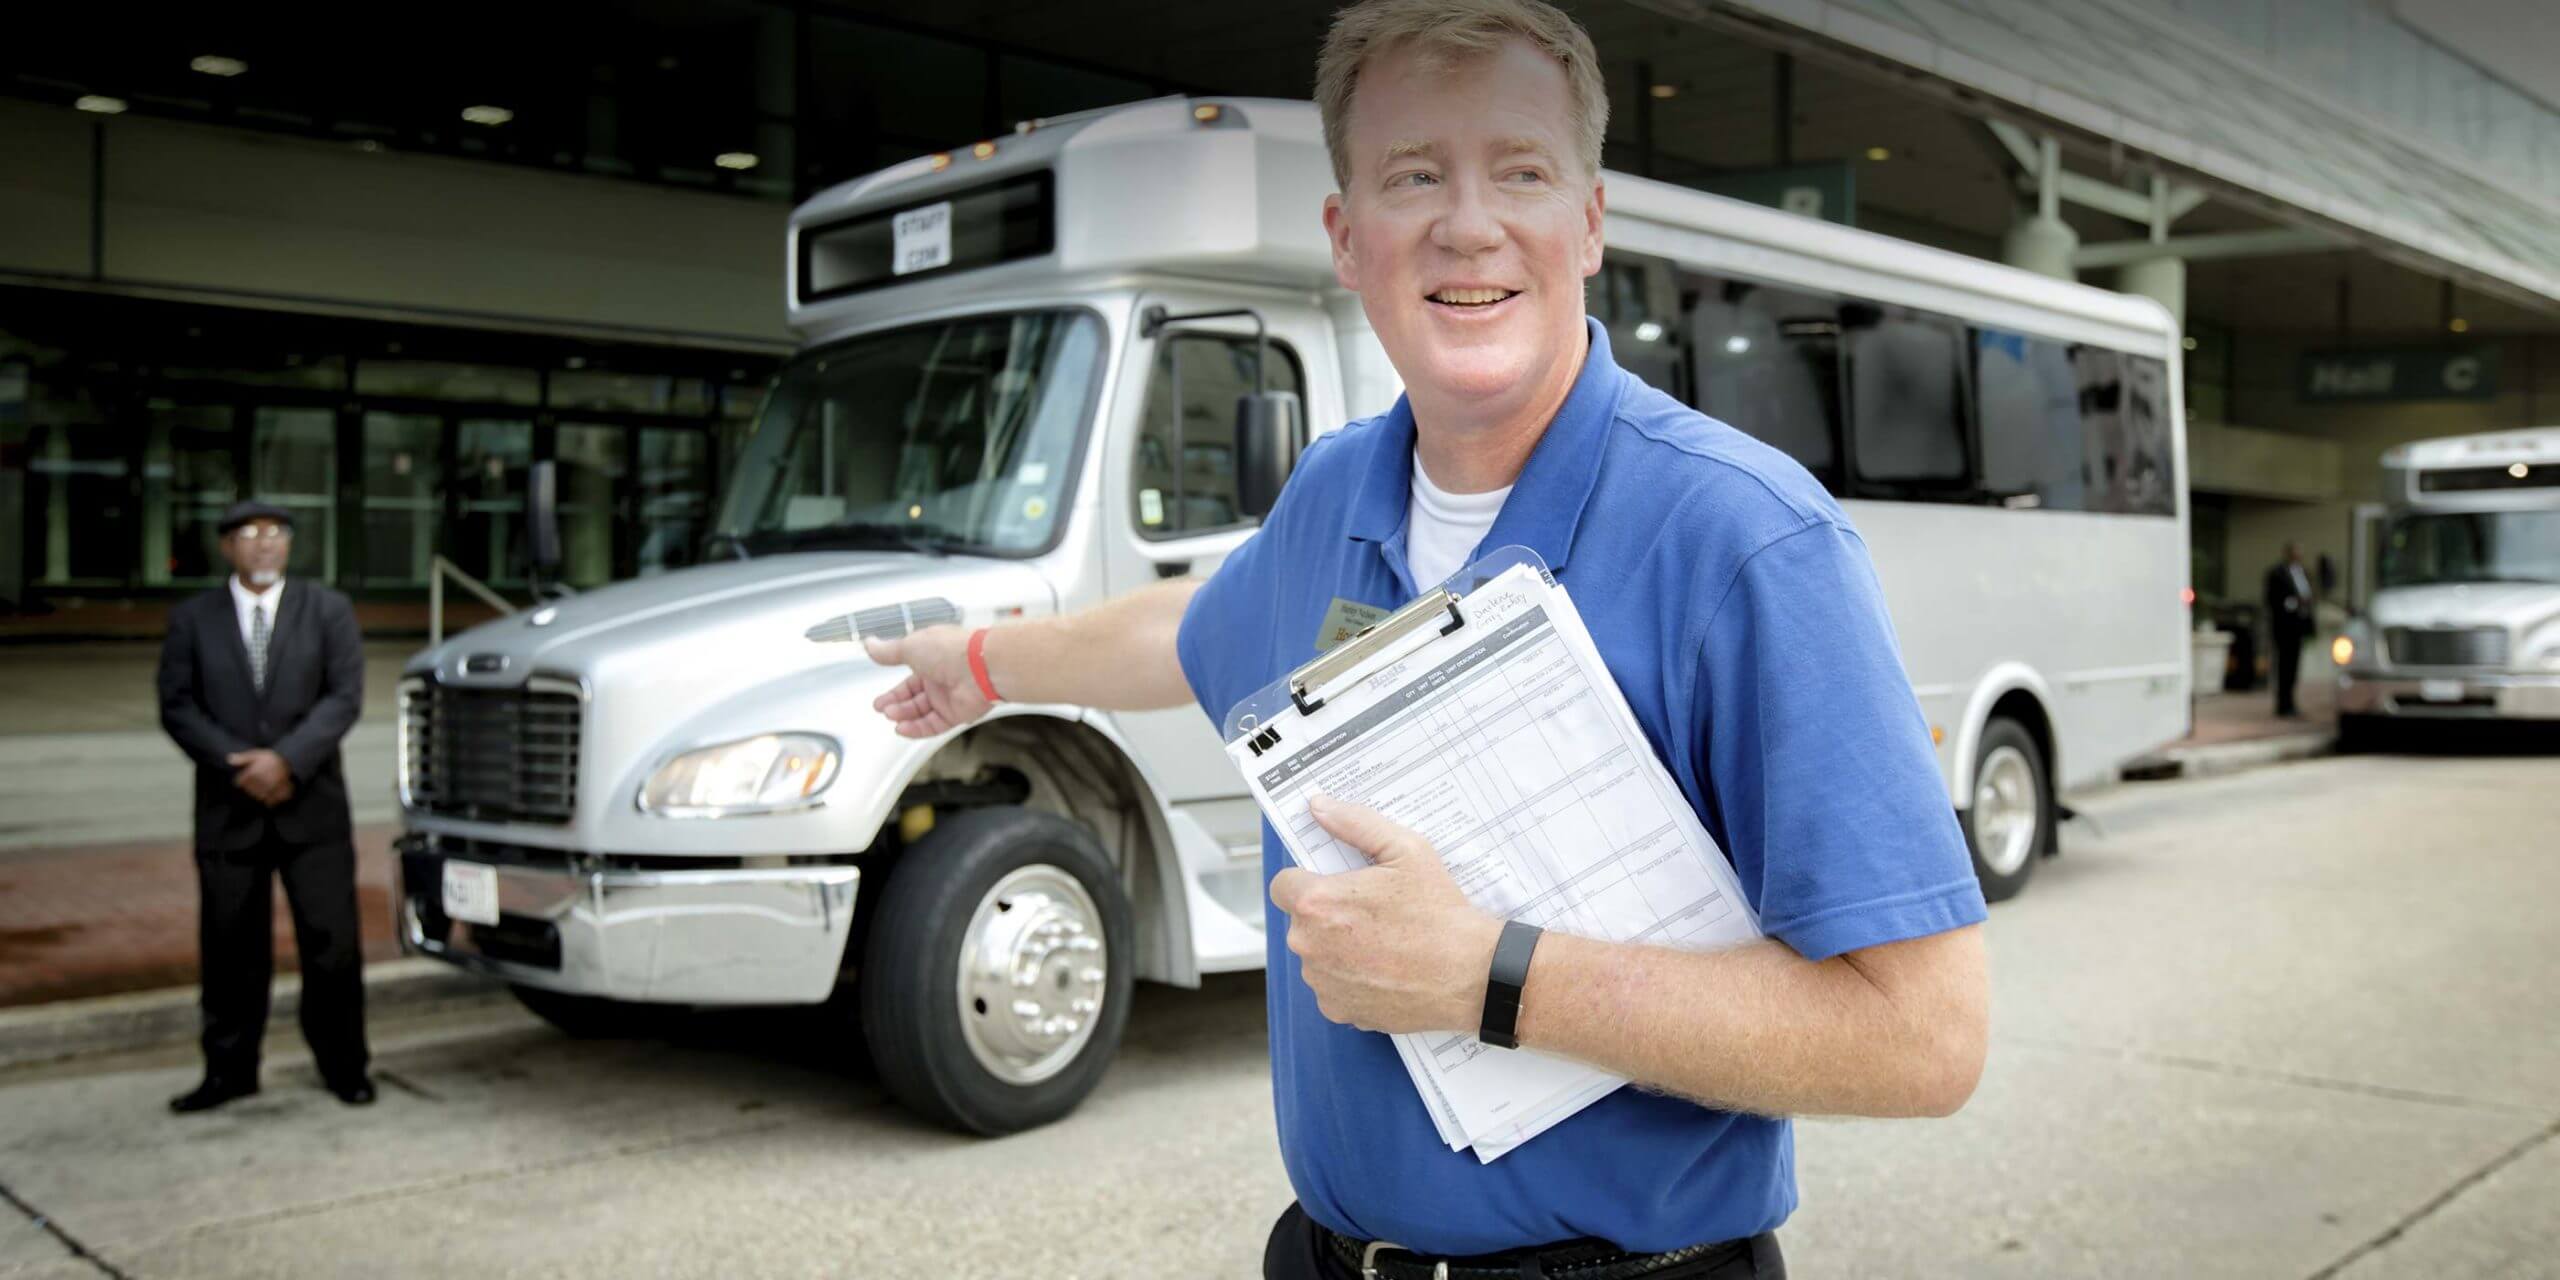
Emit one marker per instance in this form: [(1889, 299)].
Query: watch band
[(1502, 986), (978, 664)]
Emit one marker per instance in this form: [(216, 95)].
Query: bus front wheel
[(2012, 809), (998, 972)]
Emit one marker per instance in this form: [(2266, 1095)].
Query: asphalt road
[(2298, 1022)]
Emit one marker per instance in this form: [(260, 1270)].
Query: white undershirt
[(243, 600), (1443, 528)]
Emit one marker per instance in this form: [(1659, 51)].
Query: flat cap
[(240, 513)]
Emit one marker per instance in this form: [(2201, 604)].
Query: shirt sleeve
[(1819, 758), (1223, 602)]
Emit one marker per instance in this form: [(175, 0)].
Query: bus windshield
[(958, 435), (2472, 546)]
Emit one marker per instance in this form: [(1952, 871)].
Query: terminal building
[(373, 264)]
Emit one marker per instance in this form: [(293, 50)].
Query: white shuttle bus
[(2458, 577), (1075, 360)]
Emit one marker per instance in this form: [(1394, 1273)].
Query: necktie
[(258, 647)]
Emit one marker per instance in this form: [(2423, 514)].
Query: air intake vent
[(888, 621), (2447, 646), (494, 755)]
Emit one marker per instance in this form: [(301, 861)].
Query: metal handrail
[(439, 568)]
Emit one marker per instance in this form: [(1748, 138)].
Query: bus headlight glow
[(765, 774), (2342, 650)]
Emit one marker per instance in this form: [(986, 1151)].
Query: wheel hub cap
[(1033, 969), (2006, 810)]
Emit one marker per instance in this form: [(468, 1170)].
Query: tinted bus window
[(1767, 361), (2124, 406), (2032, 449), (1906, 399)]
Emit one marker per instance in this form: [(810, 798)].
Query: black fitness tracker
[(1502, 987)]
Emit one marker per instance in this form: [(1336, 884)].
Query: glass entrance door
[(293, 463), (675, 496), (403, 497)]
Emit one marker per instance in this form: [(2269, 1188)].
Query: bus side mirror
[(542, 519), (1269, 432)]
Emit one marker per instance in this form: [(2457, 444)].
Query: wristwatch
[(1502, 986)]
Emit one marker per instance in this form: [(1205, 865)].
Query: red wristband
[(978, 664)]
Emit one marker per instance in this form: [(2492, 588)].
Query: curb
[(68, 1029), (2229, 757)]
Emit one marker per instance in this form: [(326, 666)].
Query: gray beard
[(265, 577)]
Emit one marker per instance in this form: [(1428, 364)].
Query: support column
[(2043, 242), (2164, 280)]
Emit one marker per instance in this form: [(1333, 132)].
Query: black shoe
[(355, 1093), (212, 1093)]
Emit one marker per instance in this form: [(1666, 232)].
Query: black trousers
[(2288, 664), (235, 928), (1296, 1252)]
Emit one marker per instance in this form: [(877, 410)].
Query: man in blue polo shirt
[(1729, 597)]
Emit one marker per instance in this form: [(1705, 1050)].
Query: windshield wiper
[(860, 533)]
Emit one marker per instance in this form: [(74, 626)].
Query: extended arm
[(1118, 655)]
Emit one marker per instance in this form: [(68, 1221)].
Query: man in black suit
[(259, 679), (2289, 601)]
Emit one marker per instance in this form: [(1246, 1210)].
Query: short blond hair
[(1446, 33)]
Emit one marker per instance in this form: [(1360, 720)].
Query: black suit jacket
[(2288, 606), (315, 689)]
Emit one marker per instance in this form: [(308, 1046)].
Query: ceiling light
[(214, 64), (1648, 331), (2188, 342), (1666, 91), (1737, 344), (735, 160), (100, 103), (2518, 470), (2458, 325), (1879, 153), (487, 115)]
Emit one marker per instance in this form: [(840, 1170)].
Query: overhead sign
[(2402, 373)]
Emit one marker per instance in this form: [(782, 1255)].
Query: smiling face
[(1467, 227)]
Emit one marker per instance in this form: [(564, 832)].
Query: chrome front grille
[(492, 755), (2447, 646)]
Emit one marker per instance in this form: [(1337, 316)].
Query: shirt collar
[(243, 599), (1547, 500)]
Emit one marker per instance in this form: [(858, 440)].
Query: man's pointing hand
[(940, 695)]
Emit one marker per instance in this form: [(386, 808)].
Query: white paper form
[(1507, 745)]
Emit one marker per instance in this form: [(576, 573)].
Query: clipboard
[(1437, 612)]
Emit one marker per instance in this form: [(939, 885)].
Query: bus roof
[(2532, 446), (1230, 188)]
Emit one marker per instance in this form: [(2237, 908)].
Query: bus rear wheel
[(996, 981), (2011, 817)]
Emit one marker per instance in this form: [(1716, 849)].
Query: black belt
[(1579, 1260)]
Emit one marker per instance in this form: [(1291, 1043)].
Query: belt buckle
[(1369, 1260)]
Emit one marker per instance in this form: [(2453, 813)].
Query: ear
[(1593, 243), (1337, 228)]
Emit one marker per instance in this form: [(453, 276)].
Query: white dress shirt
[(243, 600)]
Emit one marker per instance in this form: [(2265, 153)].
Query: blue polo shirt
[(1737, 608)]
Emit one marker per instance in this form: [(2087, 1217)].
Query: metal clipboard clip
[(1253, 721), (1308, 683)]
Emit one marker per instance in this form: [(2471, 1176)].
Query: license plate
[(2440, 690), (471, 892)]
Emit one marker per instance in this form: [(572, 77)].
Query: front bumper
[(727, 935), (2474, 695)]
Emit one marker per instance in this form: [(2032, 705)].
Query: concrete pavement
[(2294, 1022)]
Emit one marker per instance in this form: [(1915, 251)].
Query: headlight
[(2342, 650), (758, 775)]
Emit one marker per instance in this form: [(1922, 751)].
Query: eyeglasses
[(261, 533)]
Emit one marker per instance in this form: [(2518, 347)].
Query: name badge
[(1347, 618)]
